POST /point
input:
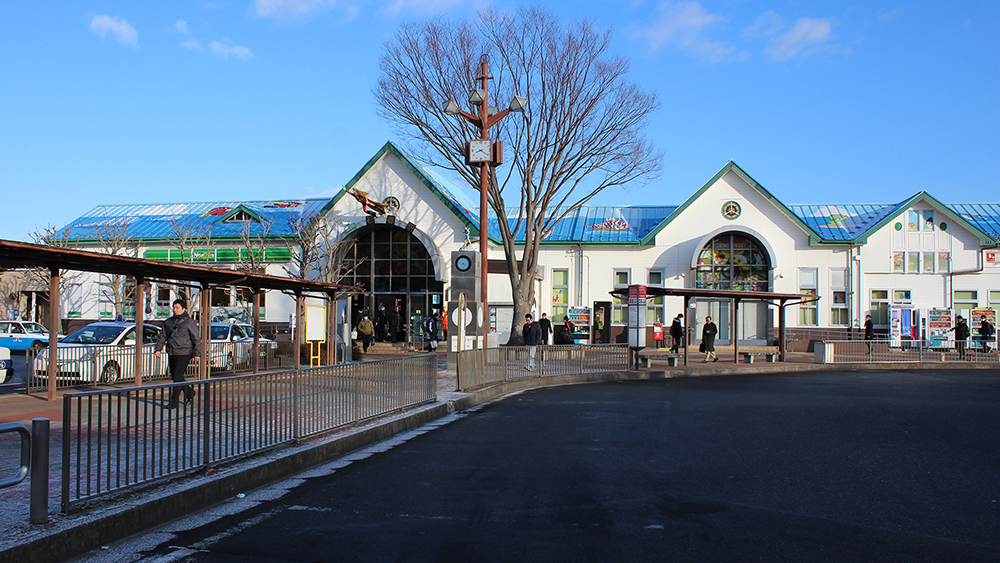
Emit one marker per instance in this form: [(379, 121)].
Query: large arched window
[(733, 261)]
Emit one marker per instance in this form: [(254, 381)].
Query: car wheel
[(230, 364), (37, 346), (110, 373)]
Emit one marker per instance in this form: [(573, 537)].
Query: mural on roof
[(612, 224), (281, 204), (215, 211)]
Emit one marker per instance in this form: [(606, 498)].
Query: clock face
[(480, 150), (463, 263)]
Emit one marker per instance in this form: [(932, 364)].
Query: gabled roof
[(729, 167), (853, 224), (152, 221), (458, 202)]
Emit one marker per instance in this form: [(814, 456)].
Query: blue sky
[(105, 102)]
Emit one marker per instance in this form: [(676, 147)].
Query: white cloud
[(394, 7), (182, 27), (118, 27), (286, 8), (226, 51), (806, 35), (684, 25), (192, 44), (766, 25)]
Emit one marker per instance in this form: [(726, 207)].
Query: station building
[(731, 233)]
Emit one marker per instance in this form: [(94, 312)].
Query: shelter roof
[(720, 294), (14, 254)]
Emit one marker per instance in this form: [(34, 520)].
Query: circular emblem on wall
[(731, 210), (944, 226), (898, 226), (392, 204)]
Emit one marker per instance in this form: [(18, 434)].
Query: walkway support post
[(55, 323)]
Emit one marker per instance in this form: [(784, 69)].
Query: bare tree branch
[(583, 130)]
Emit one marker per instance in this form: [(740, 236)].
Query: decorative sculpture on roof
[(373, 208)]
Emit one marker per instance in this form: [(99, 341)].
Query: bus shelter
[(15, 254), (779, 300)]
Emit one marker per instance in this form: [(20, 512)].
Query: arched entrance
[(398, 271), (735, 261)]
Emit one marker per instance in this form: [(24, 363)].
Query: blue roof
[(841, 222), (594, 225), (160, 220), (983, 216)]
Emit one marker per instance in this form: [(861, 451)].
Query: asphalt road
[(853, 466)]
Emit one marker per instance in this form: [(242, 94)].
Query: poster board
[(316, 323)]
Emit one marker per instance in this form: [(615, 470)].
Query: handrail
[(21, 429)]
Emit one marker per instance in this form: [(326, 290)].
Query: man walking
[(180, 335), (432, 332), (546, 326), (869, 332), (677, 332), (532, 334)]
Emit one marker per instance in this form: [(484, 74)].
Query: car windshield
[(35, 328), (94, 335), (220, 332), (248, 329)]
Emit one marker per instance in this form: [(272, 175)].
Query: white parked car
[(103, 353), (232, 346)]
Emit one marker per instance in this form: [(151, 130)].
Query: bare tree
[(314, 247), (583, 130), (113, 236), (50, 235), (251, 250), (190, 238)]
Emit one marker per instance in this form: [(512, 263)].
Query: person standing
[(568, 330), (677, 332), (985, 334), (546, 326), (708, 333), (532, 334), (380, 319), (869, 332), (183, 343), (962, 333), (393, 324), (432, 332), (366, 330)]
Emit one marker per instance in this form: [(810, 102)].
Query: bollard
[(39, 513)]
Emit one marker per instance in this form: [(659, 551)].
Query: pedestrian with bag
[(183, 343), (869, 332), (708, 333), (366, 330), (532, 334)]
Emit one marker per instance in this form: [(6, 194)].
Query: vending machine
[(980, 341), (936, 328)]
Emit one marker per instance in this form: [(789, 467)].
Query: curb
[(134, 512)]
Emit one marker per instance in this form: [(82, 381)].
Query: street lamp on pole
[(484, 153)]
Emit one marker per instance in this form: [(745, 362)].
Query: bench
[(769, 353), (670, 357)]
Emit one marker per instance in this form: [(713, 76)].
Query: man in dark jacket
[(532, 334), (180, 334), (546, 326), (962, 333), (677, 332), (393, 324), (986, 334)]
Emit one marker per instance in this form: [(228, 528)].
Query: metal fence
[(107, 365), (120, 438), (865, 351), (478, 368)]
